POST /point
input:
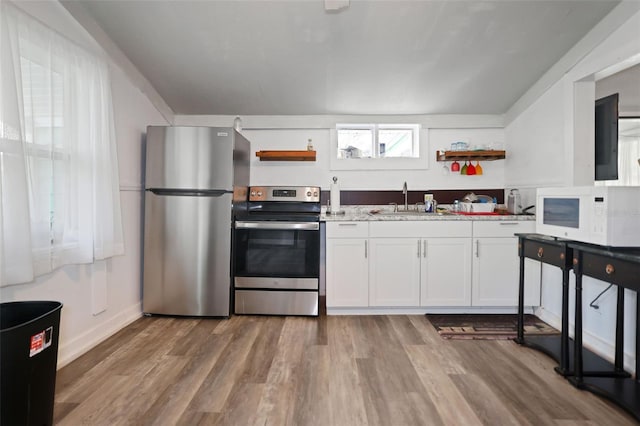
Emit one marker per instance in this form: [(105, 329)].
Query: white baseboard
[(92, 337), (424, 310), (590, 341)]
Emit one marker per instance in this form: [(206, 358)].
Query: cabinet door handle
[(418, 249), (424, 252), (365, 249), (477, 248), (508, 223), (347, 224)]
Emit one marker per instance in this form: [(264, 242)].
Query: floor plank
[(339, 370)]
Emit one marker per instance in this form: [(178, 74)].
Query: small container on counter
[(429, 203)]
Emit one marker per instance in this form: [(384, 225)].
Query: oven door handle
[(300, 226)]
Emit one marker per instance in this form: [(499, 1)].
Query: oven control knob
[(315, 193), (253, 193), (259, 193), (308, 193)]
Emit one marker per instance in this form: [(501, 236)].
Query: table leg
[(577, 353), (637, 337), (619, 357), (520, 335), (564, 332)]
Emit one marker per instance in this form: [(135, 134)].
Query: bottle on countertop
[(309, 145)]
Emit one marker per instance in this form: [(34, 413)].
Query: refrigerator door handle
[(302, 226), (188, 192)]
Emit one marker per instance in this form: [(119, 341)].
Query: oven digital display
[(285, 193)]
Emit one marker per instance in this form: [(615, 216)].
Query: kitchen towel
[(335, 198)]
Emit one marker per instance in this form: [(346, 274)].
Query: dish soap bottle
[(309, 145)]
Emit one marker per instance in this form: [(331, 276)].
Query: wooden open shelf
[(488, 155), (286, 155)]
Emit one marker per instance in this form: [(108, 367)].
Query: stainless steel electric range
[(276, 248)]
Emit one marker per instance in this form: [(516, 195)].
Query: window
[(377, 141), (628, 154), (42, 94), (59, 188), (378, 147)]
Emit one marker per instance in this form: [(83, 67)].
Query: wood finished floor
[(337, 370)]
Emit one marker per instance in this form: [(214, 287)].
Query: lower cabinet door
[(446, 272), (347, 269), (394, 272), (496, 272)]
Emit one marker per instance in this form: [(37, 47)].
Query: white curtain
[(59, 188), (629, 161)]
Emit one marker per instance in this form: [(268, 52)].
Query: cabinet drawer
[(502, 228), (551, 254), (420, 229), (617, 271), (347, 229)]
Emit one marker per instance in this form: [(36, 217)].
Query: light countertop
[(368, 213)]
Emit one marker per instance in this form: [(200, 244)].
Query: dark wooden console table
[(556, 252), (582, 367), (620, 267)]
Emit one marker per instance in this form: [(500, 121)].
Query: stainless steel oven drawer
[(265, 302), (276, 283)]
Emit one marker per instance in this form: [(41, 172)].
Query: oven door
[(277, 255)]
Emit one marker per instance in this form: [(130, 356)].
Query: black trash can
[(28, 355)]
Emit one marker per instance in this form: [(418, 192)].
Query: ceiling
[(374, 57)]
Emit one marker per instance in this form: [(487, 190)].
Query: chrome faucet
[(405, 192)]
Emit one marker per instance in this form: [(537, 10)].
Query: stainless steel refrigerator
[(195, 179)]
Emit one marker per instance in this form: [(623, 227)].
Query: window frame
[(420, 144)]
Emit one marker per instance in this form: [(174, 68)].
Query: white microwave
[(604, 215)]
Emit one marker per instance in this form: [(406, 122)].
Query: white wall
[(113, 284), (276, 133), (552, 145), (627, 84)]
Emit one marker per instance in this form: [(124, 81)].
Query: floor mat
[(486, 326)]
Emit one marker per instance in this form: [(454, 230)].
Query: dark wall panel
[(447, 196)]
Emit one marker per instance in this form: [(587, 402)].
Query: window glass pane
[(355, 143), (41, 212), (42, 90), (396, 143)]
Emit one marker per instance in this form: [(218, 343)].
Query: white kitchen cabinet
[(347, 264), (411, 264), (446, 272), (429, 266), (496, 265), (394, 272)]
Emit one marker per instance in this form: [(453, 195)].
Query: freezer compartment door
[(189, 158), (187, 245)]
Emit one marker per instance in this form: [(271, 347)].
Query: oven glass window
[(562, 212), (277, 253)]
